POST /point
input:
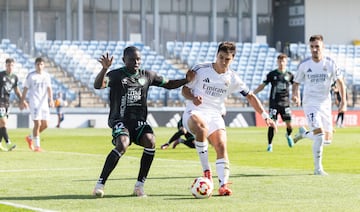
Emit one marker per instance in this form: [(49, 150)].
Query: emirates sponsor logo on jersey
[(214, 91)]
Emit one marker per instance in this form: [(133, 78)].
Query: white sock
[(223, 171), (318, 150), (36, 140), (202, 149), (139, 184), (327, 142), (309, 135)]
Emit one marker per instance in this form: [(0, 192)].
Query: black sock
[(110, 164), (341, 118), (145, 164), (289, 131), (175, 137), (189, 143), (1, 134), (270, 134), (4, 134)]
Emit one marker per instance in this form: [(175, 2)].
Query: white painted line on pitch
[(55, 169), (25, 207)]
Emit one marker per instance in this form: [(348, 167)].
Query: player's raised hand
[(106, 61)]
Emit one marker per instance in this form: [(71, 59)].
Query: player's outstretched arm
[(172, 84), (256, 104), (259, 88), (342, 91), (296, 94), (106, 62)]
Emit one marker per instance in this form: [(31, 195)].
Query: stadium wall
[(338, 21), (163, 117)]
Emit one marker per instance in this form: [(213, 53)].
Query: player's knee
[(318, 131), (148, 141)]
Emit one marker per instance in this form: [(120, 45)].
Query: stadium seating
[(80, 59), (346, 56), (252, 61), (24, 64)]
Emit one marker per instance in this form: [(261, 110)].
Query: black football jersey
[(7, 83), (128, 94), (280, 87)]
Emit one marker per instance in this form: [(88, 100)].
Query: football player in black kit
[(8, 82), (279, 100), (176, 138), (129, 87)]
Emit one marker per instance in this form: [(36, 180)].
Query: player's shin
[(318, 150), (202, 149)]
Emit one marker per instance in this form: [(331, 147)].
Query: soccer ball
[(202, 188)]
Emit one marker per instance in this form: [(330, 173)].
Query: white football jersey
[(37, 85), (317, 78), (214, 88)]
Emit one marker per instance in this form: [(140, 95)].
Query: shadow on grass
[(82, 197), (193, 177)]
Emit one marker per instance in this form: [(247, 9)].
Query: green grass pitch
[(62, 177)]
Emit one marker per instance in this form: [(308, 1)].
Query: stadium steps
[(85, 97)]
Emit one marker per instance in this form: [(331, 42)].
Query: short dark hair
[(130, 49), (228, 47), (316, 37), (39, 59), (281, 56), (9, 60)]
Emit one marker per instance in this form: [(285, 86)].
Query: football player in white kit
[(38, 84), (317, 73), (205, 97)]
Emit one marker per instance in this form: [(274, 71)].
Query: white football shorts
[(214, 121), (318, 117)]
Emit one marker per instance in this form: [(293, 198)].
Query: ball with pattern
[(202, 188)]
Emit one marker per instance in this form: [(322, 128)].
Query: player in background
[(176, 138), (203, 116), (128, 112), (38, 85), (9, 81), (337, 99), (59, 104), (279, 99), (317, 73)]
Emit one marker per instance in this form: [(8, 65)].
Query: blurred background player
[(318, 73), (337, 99), (279, 99), (8, 82), (59, 104), (38, 84), (176, 138)]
